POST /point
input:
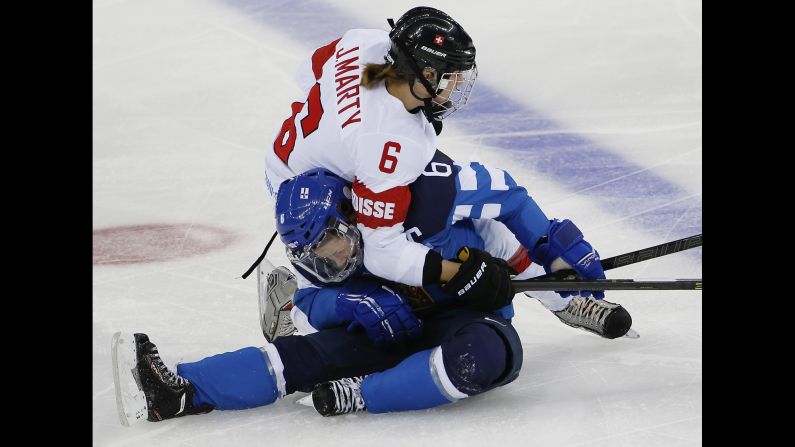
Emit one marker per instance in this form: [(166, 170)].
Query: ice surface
[(594, 106)]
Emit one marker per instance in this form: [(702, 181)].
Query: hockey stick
[(633, 257), (568, 279), (652, 252), (261, 257), (605, 284)]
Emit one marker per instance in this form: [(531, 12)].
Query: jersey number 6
[(285, 141), (387, 157)]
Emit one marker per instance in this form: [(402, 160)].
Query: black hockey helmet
[(426, 38)]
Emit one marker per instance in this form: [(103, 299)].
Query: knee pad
[(475, 358)]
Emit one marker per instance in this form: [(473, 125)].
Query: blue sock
[(413, 384), (232, 380)]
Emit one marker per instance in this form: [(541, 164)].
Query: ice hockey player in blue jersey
[(453, 210), (399, 362), (442, 358)]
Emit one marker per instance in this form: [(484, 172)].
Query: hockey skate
[(276, 287), (145, 388), (606, 319), (337, 397)]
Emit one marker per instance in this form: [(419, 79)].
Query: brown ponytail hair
[(373, 74)]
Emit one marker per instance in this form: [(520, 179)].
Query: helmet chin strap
[(428, 104), (428, 107), (411, 89)]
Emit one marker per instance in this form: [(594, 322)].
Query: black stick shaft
[(261, 257), (652, 252), (606, 284)]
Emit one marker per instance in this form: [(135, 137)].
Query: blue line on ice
[(646, 201)]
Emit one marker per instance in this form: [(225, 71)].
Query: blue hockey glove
[(565, 241), (385, 316)]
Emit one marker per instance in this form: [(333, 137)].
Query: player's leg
[(145, 388), (604, 318), (469, 353), (253, 377), (246, 378)]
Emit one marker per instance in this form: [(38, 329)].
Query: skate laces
[(166, 375), (587, 310), (348, 394)]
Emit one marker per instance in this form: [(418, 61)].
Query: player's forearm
[(449, 269), (318, 304), (437, 270)]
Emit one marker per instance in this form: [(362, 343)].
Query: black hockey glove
[(483, 282)]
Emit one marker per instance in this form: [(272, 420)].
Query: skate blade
[(263, 270), (306, 401), (130, 399), (632, 333)]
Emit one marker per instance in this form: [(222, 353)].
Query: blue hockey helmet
[(314, 221)]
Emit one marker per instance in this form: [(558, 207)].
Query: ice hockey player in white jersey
[(374, 102)]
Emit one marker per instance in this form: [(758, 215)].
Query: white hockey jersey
[(365, 136)]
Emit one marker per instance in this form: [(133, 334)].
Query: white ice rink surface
[(189, 94)]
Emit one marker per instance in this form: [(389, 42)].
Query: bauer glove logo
[(474, 280)]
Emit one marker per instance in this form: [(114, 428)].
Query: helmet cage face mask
[(334, 255), (452, 91)]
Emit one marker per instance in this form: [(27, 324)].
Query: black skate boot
[(145, 388), (339, 396), (167, 394), (601, 317)]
